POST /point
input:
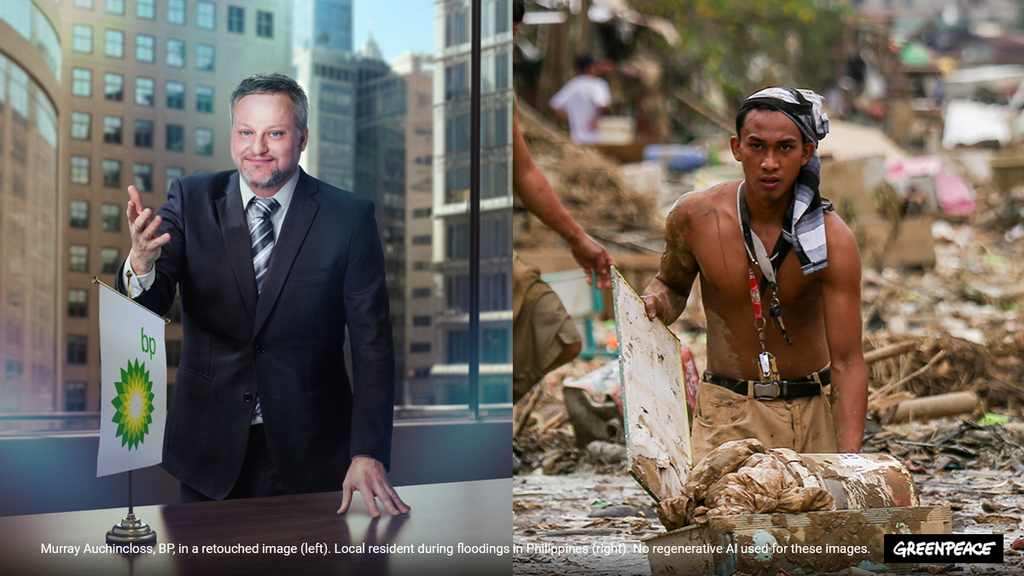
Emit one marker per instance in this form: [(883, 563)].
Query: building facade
[(145, 94), (30, 112), (448, 383), (323, 25)]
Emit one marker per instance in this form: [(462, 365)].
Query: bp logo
[(134, 405)]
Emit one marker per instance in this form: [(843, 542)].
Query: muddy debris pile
[(589, 184), (741, 477), (543, 438), (951, 444)]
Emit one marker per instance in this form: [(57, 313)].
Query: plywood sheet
[(654, 403)]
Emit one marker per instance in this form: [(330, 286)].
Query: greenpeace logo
[(943, 548)]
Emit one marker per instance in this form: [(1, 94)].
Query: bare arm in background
[(537, 196)]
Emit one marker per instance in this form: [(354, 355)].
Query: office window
[(111, 179), (206, 15), (80, 122), (175, 53), (204, 99), (145, 48), (81, 40), (173, 353), (501, 74), (176, 12), (84, 4), (143, 134), (113, 87), (79, 169), (112, 129), (265, 24), (172, 172), (78, 304), (81, 82), (113, 43), (176, 95), (236, 19), (423, 240), (419, 347), (77, 349), (145, 9), (456, 30), (421, 320), (421, 292), (111, 260), (78, 260), (115, 6), (204, 142), (456, 133), (111, 213), (456, 81), (175, 138), (144, 91), (74, 392), (204, 57), (144, 177), (79, 214), (494, 346)]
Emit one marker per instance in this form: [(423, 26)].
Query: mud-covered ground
[(556, 519)]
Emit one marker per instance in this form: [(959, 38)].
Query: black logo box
[(944, 548)]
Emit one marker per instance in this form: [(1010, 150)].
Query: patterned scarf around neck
[(804, 226)]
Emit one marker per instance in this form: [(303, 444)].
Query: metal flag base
[(131, 530)]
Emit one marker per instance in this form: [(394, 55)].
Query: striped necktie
[(262, 236)]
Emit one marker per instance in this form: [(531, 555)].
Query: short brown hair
[(273, 83)]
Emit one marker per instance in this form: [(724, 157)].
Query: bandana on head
[(804, 226)]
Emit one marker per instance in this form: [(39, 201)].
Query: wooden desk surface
[(443, 517)]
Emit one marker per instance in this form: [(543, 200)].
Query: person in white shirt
[(583, 100)]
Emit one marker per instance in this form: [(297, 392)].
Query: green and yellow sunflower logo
[(134, 405)]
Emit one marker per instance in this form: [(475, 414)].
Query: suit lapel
[(296, 225), (235, 230)]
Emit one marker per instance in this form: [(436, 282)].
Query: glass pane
[(154, 77)]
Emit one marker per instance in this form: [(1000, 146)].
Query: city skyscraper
[(30, 112), (323, 25), (451, 201)]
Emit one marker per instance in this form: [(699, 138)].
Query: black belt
[(800, 388)]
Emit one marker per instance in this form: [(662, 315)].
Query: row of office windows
[(494, 76), (78, 259), (145, 47), (78, 306), (206, 14), (174, 135), (142, 173), (495, 18), (494, 346), (111, 215), (145, 90)]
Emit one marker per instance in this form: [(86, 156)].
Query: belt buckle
[(767, 390)]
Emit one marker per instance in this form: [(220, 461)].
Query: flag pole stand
[(131, 530)]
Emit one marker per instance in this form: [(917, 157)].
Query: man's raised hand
[(143, 226)]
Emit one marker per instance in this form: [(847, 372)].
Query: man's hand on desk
[(367, 475)]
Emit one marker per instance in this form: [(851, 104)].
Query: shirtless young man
[(817, 289)]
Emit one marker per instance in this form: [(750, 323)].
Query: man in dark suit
[(271, 265)]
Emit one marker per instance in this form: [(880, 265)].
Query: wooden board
[(654, 403)]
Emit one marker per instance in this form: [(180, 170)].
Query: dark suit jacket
[(326, 273)]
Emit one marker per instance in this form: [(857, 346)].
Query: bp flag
[(133, 394)]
